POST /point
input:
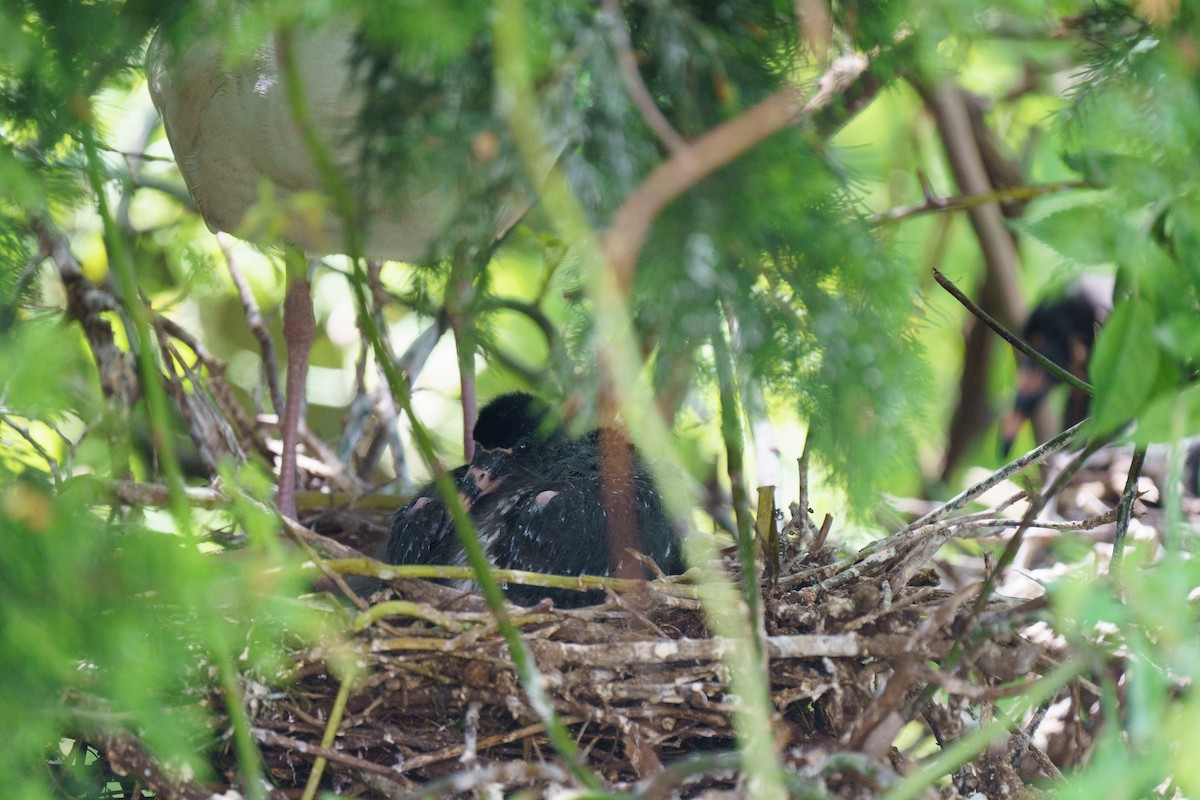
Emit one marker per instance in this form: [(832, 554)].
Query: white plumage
[(239, 148), (246, 164), (235, 137)]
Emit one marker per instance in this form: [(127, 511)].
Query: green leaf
[(1126, 366), (1084, 235), (1169, 415)]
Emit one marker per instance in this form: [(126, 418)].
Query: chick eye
[(523, 447)]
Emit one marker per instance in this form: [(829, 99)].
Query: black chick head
[(535, 497), (1063, 330), (509, 418)]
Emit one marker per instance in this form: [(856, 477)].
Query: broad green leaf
[(1125, 366), (1084, 235), (1169, 414)]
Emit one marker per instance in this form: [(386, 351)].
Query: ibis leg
[(298, 326)]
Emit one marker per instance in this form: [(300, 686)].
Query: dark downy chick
[(549, 516), (1063, 330), (422, 532), (534, 495)]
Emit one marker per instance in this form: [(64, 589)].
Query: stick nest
[(863, 653), (878, 663)]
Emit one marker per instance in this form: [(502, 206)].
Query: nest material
[(851, 646), (889, 645), (875, 662)]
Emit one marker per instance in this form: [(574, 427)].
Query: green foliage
[(790, 260), (1160, 657), (57, 55), (117, 615), (1131, 129), (109, 622), (1128, 367)]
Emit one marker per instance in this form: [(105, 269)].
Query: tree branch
[(631, 224)]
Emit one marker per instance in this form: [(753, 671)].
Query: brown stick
[(642, 99), (721, 145), (258, 326)]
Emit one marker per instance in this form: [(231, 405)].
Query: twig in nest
[(1035, 507), (308, 749), (258, 326), (1035, 456), (581, 583), (511, 774)]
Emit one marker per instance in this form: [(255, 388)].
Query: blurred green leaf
[(1169, 414), (107, 613), (33, 362), (1083, 235), (1127, 367), (110, 618)]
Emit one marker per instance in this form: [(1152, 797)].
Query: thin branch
[(1125, 511), (1016, 341), (1035, 456), (642, 99), (579, 583), (350, 669), (966, 202), (454, 751), (481, 781), (947, 102), (258, 325), (803, 494), (1014, 543), (128, 756), (24, 433), (707, 154), (303, 748)]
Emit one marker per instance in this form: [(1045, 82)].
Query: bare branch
[(642, 99), (258, 326), (707, 154), (964, 202)]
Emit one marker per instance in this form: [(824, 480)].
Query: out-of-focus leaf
[(123, 617), (1169, 414), (1127, 367), (1084, 235), (33, 361)]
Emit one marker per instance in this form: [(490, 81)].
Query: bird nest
[(874, 662), (856, 649), (896, 663)]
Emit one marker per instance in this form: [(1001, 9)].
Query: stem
[(609, 273), (1125, 511), (731, 433), (137, 329), (1015, 341), (335, 720)]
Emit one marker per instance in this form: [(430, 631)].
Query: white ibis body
[(235, 136), (236, 140)]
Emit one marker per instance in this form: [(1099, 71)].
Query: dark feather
[(535, 498)]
